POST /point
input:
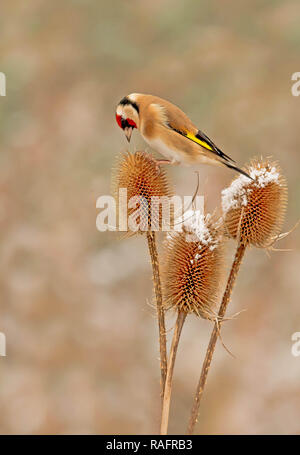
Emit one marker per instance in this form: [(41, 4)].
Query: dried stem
[(214, 336), (160, 310), (168, 387)]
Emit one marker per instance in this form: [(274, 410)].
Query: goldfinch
[(169, 131)]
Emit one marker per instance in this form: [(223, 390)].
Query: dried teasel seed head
[(193, 266), (254, 210), (147, 186)]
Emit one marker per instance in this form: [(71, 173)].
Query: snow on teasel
[(237, 193), (196, 222), (254, 209), (193, 266)]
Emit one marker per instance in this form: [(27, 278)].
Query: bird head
[(127, 115)]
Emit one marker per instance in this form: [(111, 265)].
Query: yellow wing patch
[(204, 144)]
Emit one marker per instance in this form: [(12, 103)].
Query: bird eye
[(119, 120)]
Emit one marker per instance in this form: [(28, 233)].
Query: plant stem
[(214, 336), (160, 310), (168, 387)]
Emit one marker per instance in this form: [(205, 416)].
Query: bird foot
[(158, 162)]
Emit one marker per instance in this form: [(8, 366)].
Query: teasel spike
[(253, 213), (144, 180), (139, 173), (254, 210), (192, 272)]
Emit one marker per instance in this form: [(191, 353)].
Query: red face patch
[(119, 120), (131, 122), (128, 123)]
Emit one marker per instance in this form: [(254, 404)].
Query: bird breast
[(163, 148)]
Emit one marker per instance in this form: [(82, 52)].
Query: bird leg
[(159, 162)]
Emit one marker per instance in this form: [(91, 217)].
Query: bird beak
[(128, 133)]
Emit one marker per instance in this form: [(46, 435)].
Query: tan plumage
[(168, 130)]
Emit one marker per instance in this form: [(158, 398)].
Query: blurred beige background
[(82, 350)]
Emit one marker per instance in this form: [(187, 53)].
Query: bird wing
[(175, 119), (205, 142), (200, 138), (179, 122)]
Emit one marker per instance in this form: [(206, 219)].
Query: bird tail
[(235, 168)]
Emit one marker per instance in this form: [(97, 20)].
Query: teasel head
[(254, 210), (193, 266), (146, 184)]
